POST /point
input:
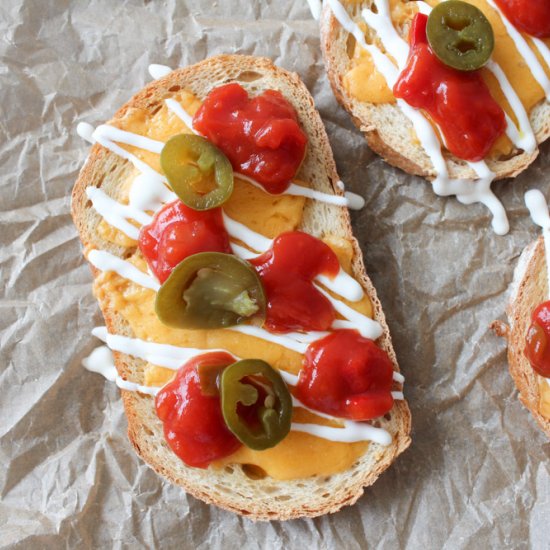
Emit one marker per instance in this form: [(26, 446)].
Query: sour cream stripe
[(525, 51), (162, 355), (367, 327), (105, 261), (315, 6), (103, 135), (158, 71), (116, 213), (543, 49), (101, 361)]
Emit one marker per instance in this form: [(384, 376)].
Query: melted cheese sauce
[(365, 83), (544, 399), (300, 454)]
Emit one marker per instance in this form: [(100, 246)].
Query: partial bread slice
[(262, 499), (529, 289), (388, 131)]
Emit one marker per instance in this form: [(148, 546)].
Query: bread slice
[(231, 488), (529, 289), (387, 130)]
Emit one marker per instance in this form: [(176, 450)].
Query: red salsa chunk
[(347, 376), (459, 102), (537, 348), (287, 271), (194, 427), (177, 232), (529, 16), (260, 135)]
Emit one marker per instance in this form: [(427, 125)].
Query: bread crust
[(231, 489), (529, 289), (388, 131)]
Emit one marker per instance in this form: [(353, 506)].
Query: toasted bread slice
[(231, 488), (529, 289), (387, 130)]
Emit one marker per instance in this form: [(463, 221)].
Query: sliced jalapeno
[(256, 403), (460, 35), (198, 172), (210, 290)]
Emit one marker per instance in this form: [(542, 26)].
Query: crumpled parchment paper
[(477, 474)]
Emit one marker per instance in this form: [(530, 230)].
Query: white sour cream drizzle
[(172, 357), (158, 71), (543, 49), (149, 193), (524, 137), (162, 355), (398, 377), (101, 361), (105, 261), (85, 131), (315, 6), (116, 213), (467, 191), (181, 113), (525, 51), (367, 327), (103, 134), (279, 339)]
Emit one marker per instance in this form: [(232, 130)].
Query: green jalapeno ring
[(186, 160), (211, 290), (239, 384), (460, 35)]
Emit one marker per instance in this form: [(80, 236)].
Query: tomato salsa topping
[(347, 376), (530, 16), (177, 232), (192, 416), (537, 349), (260, 135), (287, 271), (459, 102)]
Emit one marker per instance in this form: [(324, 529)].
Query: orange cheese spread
[(365, 83), (299, 454), (544, 399)]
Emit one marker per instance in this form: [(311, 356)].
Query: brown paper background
[(477, 474)]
